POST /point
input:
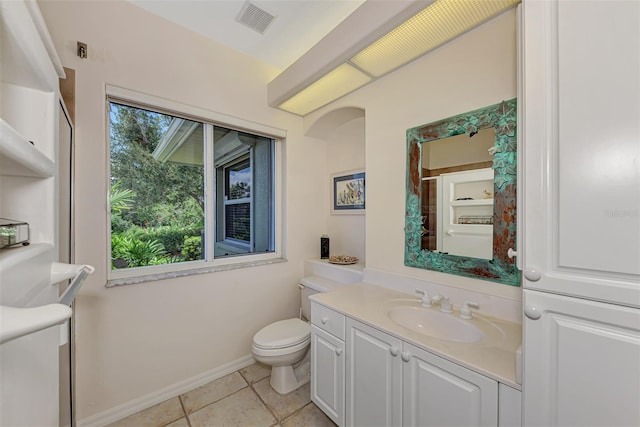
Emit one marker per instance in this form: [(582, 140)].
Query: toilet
[(284, 345)]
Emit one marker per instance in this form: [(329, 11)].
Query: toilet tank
[(310, 285)]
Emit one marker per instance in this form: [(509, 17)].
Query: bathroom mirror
[(461, 195)]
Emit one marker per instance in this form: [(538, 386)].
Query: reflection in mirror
[(461, 195), (457, 195)]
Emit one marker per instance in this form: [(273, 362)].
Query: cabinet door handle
[(338, 351), (324, 320), (394, 351), (532, 312), (532, 274), (406, 356)]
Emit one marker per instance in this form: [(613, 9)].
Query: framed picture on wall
[(348, 192)]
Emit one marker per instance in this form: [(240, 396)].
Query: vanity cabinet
[(328, 362), (367, 372), (394, 383)]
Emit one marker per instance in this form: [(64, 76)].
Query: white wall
[(135, 340), (473, 71)]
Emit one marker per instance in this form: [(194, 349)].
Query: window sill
[(112, 283)]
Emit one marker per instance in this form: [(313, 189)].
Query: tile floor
[(242, 398)]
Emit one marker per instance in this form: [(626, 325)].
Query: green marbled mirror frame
[(502, 269)]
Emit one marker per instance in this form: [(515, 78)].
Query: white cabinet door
[(440, 393), (509, 406), (374, 377), (582, 362), (581, 87), (327, 374)]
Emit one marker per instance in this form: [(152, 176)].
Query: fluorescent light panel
[(340, 81), (442, 21)]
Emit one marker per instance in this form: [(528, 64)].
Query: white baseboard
[(159, 396)]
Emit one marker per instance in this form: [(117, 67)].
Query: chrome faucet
[(465, 309), (445, 304), (426, 299)]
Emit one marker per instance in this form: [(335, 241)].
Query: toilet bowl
[(284, 345)]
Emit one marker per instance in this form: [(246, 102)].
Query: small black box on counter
[(324, 247)]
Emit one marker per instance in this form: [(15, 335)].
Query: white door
[(327, 374), (439, 393), (582, 148), (582, 362), (374, 377)]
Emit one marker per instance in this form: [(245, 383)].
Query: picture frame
[(348, 192)]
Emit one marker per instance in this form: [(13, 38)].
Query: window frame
[(209, 119)]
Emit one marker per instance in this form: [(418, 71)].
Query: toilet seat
[(282, 334), (280, 351)]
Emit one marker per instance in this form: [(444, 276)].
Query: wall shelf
[(480, 202), (25, 274), (14, 257), (469, 230), (18, 157), (18, 322)]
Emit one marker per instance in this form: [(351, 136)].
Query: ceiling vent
[(255, 18)]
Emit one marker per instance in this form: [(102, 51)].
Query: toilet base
[(285, 379)]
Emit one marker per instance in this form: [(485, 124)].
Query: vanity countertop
[(367, 303)]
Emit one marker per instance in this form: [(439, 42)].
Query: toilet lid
[(282, 333)]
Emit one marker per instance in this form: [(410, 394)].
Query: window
[(244, 206), (187, 193), (237, 201)]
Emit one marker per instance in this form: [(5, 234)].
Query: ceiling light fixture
[(337, 83), (429, 28)]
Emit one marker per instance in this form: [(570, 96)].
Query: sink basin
[(444, 326)]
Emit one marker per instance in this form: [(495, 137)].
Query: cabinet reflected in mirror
[(461, 195), (457, 195)]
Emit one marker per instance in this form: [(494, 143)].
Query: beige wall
[(458, 150), (135, 340), (473, 71)]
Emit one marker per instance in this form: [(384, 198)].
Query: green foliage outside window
[(155, 205), (192, 248)]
